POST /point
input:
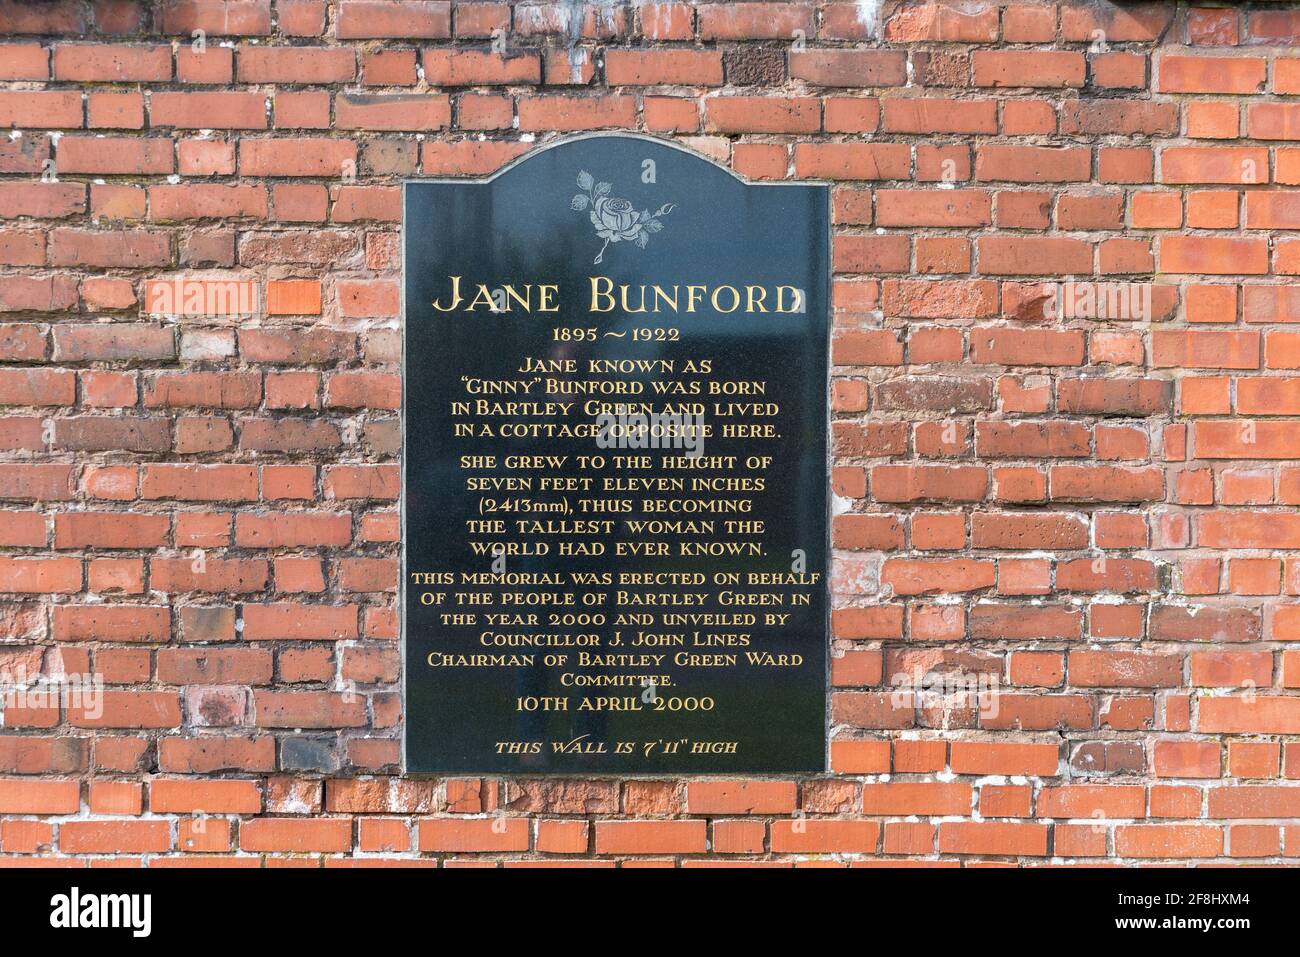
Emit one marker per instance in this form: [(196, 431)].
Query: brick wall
[(1096, 515)]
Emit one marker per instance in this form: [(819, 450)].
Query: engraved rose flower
[(616, 220)]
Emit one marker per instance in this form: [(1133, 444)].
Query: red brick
[(391, 111), (575, 113), (852, 68), (937, 21), (296, 157), (217, 110), (28, 796), (650, 68), (745, 21), (109, 63), (760, 114), (852, 160), (1205, 74), (404, 19), (238, 18), (993, 839), (316, 835), (295, 64), (1027, 68), (477, 835)]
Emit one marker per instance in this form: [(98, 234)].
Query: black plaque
[(615, 519)]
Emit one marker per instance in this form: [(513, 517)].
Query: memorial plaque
[(615, 467)]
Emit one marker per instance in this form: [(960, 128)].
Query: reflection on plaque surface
[(615, 467)]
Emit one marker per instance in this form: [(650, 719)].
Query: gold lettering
[(455, 296)]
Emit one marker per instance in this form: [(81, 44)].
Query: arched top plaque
[(614, 470)]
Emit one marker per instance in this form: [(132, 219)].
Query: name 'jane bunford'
[(605, 296)]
